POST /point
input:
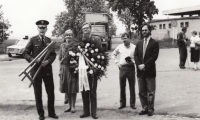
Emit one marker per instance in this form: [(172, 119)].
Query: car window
[(98, 30), (22, 42)]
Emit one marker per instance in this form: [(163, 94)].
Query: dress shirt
[(193, 40), (124, 52), (146, 45)]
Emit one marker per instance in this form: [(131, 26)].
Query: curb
[(5, 58)]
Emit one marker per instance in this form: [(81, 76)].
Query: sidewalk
[(4, 57)]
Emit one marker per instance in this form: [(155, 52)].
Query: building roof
[(182, 18), (183, 11)]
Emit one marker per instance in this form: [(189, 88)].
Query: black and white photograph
[(99, 59)]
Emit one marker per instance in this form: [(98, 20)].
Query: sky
[(22, 14)]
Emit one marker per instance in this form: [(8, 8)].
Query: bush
[(164, 43), (167, 43)]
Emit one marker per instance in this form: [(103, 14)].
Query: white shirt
[(146, 45), (124, 52), (193, 40)]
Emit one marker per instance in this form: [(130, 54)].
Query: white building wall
[(160, 34)]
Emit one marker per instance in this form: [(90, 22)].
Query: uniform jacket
[(180, 39), (150, 57), (33, 48)]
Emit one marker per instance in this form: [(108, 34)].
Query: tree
[(73, 17), (137, 11), (4, 26), (126, 18)]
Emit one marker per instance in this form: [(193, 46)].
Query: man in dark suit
[(181, 42), (90, 97), (33, 48), (146, 53)]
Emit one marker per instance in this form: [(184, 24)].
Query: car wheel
[(9, 55)]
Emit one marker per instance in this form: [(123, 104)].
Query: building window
[(182, 24), (170, 25), (163, 26), (186, 24), (160, 26)]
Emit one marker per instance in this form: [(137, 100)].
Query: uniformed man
[(90, 97), (182, 45), (33, 48)]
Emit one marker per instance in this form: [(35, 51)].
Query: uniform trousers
[(129, 74), (49, 85), (90, 97), (183, 54), (147, 88)]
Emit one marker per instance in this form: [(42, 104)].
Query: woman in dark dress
[(68, 84)]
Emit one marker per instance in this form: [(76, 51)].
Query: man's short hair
[(85, 23), (184, 29), (125, 34), (148, 26)]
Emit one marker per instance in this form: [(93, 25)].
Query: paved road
[(177, 94)]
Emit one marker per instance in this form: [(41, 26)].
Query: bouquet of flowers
[(95, 58)]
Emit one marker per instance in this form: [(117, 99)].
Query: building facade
[(169, 28)]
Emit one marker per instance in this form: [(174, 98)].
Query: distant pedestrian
[(194, 53), (126, 67), (146, 54), (182, 45)]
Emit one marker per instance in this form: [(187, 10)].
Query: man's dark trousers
[(147, 88), (49, 85), (183, 54), (127, 73), (90, 97)]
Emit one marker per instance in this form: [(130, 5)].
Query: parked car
[(18, 47)]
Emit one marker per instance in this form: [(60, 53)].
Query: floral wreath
[(96, 58)]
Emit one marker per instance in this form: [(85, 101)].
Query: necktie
[(145, 46), (43, 41)]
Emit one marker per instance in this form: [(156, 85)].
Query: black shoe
[(73, 111), (66, 101), (143, 112), (133, 107), (94, 116), (53, 116), (84, 115), (41, 118), (122, 107), (68, 110), (150, 112), (182, 67)]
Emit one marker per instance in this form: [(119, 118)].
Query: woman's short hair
[(125, 34), (194, 32)]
